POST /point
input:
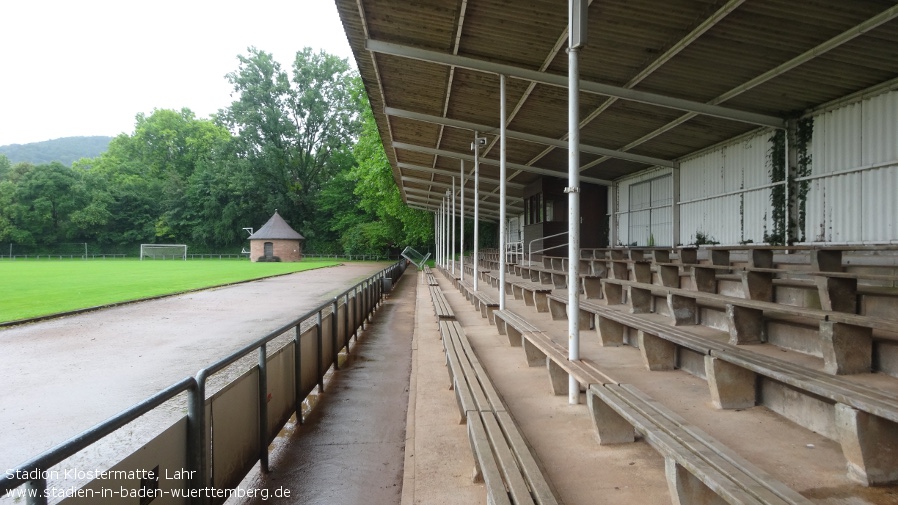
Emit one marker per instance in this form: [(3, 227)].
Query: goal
[(163, 251)]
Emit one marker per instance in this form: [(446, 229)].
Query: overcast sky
[(87, 67)]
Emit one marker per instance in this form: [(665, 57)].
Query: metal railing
[(514, 252), (361, 299), (530, 245)]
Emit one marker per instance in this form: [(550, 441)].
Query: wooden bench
[(440, 304), (617, 410), (503, 460), (541, 350), (534, 295), (866, 419), (699, 468), (486, 304), (429, 279)]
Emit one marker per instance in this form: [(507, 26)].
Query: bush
[(269, 259)]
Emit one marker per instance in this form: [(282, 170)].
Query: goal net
[(163, 251)]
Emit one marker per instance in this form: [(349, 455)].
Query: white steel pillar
[(476, 258), (440, 237), (453, 226), (461, 255), (577, 38), (502, 193), (446, 258), (436, 237)]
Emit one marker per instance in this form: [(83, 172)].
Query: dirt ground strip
[(65, 375)]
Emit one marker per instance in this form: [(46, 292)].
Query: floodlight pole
[(462, 244), (502, 192), (476, 258), (577, 29)]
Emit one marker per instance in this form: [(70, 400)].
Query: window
[(650, 217)]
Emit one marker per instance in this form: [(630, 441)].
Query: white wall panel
[(859, 206), (731, 167)]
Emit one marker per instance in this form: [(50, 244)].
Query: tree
[(290, 126), (397, 223)]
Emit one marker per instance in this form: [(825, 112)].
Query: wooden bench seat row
[(846, 339), (482, 301), (440, 304), (699, 468), (429, 279), (503, 459), (863, 419)]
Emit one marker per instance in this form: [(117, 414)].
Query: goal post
[(163, 251)]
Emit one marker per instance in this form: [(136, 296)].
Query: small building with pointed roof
[(276, 239)]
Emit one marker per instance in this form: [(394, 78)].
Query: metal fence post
[(197, 437), (297, 373), (334, 333), (39, 488), (319, 334), (263, 408)]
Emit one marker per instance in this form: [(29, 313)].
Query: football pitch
[(33, 288)]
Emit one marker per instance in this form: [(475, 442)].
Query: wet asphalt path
[(351, 448)]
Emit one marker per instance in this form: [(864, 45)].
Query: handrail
[(33, 472), (530, 245)]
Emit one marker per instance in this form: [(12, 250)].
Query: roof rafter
[(586, 86), (487, 161), (846, 36), (536, 139), (437, 171)]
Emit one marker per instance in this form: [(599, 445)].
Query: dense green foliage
[(66, 150), (302, 142), (40, 287)]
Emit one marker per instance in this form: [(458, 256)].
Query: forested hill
[(65, 150)]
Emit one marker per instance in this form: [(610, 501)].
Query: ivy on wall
[(800, 136)]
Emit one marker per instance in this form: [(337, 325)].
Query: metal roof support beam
[(536, 139), (846, 36), (453, 226), (422, 201), (577, 29), (461, 256), (502, 193), (437, 171), (423, 193), (516, 166), (587, 86), (443, 185), (476, 146)]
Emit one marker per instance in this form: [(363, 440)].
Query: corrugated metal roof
[(276, 229), (772, 57)]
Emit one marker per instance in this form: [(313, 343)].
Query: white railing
[(530, 245)]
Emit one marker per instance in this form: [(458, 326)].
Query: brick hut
[(276, 238)]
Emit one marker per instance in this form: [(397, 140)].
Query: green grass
[(32, 288)]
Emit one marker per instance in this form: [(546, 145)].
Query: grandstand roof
[(661, 80), (276, 229)]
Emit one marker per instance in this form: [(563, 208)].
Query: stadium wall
[(724, 192)]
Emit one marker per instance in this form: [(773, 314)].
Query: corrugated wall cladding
[(861, 206), (640, 219), (733, 167)]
